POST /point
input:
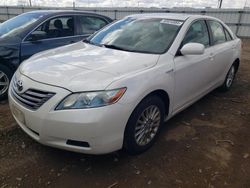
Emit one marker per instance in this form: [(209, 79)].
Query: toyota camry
[(117, 88)]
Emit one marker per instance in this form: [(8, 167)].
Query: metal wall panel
[(237, 19)]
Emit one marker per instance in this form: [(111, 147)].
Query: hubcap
[(230, 77), (4, 82), (147, 125)]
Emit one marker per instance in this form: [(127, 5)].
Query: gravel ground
[(7, 122), (207, 145)]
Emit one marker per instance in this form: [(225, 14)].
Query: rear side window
[(89, 24), (197, 33), (217, 32)]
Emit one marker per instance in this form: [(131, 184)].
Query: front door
[(193, 73), (53, 33)]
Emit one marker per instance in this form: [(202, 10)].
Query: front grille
[(31, 98)]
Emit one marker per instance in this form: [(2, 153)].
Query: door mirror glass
[(192, 49), (37, 35)]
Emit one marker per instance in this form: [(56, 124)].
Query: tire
[(139, 128), (229, 79), (5, 77)]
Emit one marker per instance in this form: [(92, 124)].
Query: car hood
[(7, 40), (84, 67)]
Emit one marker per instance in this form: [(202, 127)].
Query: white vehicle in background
[(116, 89)]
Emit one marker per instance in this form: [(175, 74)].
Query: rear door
[(223, 46), (55, 32), (193, 73)]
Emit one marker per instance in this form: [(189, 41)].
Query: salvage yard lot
[(207, 145)]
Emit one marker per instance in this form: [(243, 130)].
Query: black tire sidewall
[(9, 74), (224, 87), (130, 144)]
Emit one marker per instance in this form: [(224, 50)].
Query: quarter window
[(89, 25), (197, 33), (217, 32)]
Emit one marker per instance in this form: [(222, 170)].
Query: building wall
[(237, 19)]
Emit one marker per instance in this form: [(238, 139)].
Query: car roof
[(59, 11), (174, 16), (55, 12)]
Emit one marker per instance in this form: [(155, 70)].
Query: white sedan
[(116, 89)]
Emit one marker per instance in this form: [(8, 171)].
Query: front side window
[(148, 35), (55, 28), (217, 32), (197, 33), (89, 25)]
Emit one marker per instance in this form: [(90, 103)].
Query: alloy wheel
[(230, 77), (4, 82), (147, 125)]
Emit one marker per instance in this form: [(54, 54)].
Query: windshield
[(18, 24), (154, 35)]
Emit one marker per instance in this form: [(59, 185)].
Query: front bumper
[(102, 128)]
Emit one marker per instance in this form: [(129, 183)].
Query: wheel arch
[(8, 65), (237, 64), (163, 95)]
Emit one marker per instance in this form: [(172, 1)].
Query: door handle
[(211, 56), (169, 71)]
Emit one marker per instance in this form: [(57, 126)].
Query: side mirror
[(37, 35), (193, 49)]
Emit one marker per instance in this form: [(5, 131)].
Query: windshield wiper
[(124, 49), (117, 47), (86, 40), (90, 42)]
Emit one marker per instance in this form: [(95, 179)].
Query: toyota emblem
[(19, 85)]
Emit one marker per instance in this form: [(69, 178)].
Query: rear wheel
[(5, 77), (144, 125), (229, 78)]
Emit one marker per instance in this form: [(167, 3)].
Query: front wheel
[(5, 77), (229, 78), (144, 124)]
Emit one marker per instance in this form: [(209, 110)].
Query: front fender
[(143, 83), (9, 56)]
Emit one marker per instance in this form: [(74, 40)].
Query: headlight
[(91, 99)]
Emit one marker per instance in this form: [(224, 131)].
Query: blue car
[(36, 31)]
